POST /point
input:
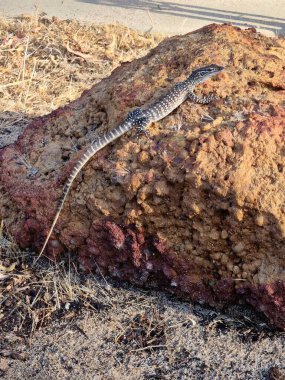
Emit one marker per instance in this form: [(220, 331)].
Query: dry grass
[(33, 293), (46, 63)]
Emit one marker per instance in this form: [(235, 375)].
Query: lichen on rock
[(197, 208)]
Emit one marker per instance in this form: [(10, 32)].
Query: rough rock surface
[(197, 208)]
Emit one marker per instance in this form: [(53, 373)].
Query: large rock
[(198, 207)]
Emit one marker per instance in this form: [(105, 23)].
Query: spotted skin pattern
[(140, 119)]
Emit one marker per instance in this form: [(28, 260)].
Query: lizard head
[(203, 73)]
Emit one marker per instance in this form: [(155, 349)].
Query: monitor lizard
[(140, 119)]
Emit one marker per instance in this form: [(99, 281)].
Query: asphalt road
[(167, 17)]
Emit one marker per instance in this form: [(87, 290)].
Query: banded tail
[(106, 139)]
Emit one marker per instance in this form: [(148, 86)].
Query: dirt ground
[(134, 334), (56, 322)]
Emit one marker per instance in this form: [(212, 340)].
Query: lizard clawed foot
[(141, 132), (202, 100), (141, 125), (211, 98)]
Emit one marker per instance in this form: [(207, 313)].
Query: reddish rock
[(198, 207)]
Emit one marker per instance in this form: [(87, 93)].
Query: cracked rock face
[(197, 208)]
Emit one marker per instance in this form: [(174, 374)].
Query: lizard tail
[(93, 149)]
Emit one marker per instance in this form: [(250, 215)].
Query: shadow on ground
[(272, 24)]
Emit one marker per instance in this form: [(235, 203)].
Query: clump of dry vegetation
[(45, 63), (31, 295)]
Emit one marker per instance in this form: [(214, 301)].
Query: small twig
[(149, 347), (194, 323), (22, 73), (13, 83), (30, 82), (56, 293)]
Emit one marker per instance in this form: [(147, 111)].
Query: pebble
[(143, 156), (236, 269), (216, 256), (3, 365), (214, 234), (259, 220), (239, 247), (238, 215), (196, 208)]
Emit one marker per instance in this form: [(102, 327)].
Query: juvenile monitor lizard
[(140, 118)]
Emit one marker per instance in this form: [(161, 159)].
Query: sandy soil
[(146, 335)]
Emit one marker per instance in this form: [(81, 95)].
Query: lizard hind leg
[(141, 125)]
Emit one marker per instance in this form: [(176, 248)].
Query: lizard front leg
[(135, 114), (201, 100)]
